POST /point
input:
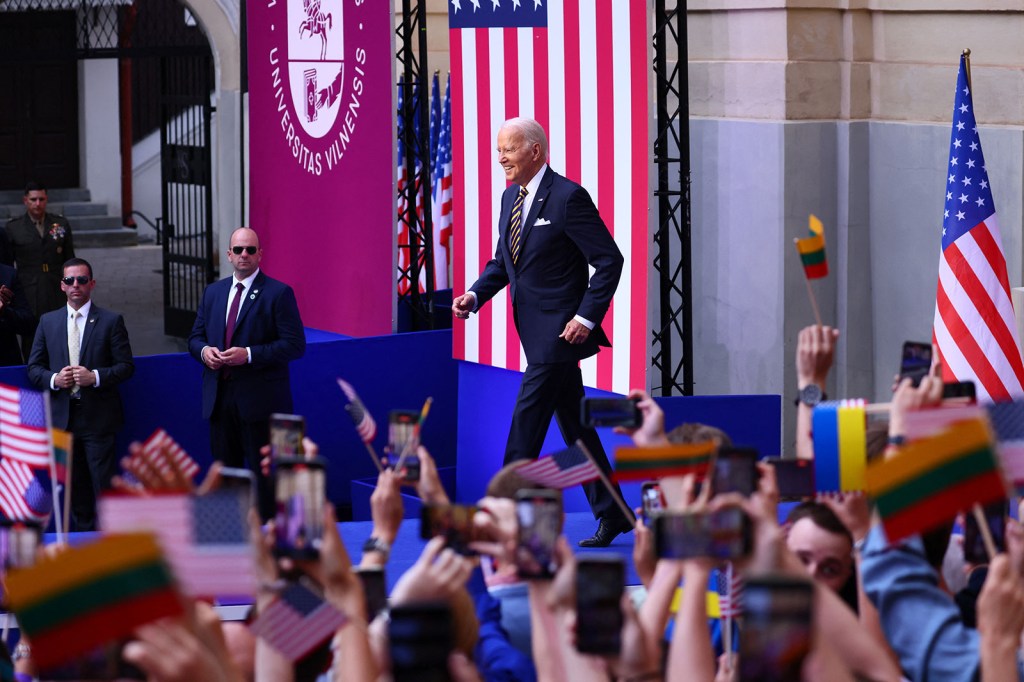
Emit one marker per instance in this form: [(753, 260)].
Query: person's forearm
[(998, 659), (271, 666), (867, 614), (554, 656), (352, 650), (804, 441), (691, 656), (655, 610)]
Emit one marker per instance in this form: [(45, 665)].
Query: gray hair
[(531, 131)]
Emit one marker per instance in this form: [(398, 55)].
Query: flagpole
[(727, 625), (986, 534), (69, 472), (967, 67), (57, 511), (810, 294), (608, 484)]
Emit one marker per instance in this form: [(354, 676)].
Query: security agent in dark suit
[(84, 397), (547, 238), (15, 317), (245, 361)]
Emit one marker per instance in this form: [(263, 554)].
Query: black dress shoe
[(606, 532)]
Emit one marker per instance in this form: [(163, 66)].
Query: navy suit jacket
[(551, 282), (16, 318), (268, 323), (104, 347)]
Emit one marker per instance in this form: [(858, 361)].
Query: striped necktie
[(514, 223)]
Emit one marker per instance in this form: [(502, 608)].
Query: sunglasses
[(251, 250), (81, 279)]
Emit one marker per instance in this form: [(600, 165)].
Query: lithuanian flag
[(812, 250), (86, 596), (61, 452), (641, 464), (932, 479)]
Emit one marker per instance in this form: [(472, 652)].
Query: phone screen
[(19, 543), (652, 502), (299, 498), (420, 637), (735, 471), (974, 543), (539, 513), (286, 433), (776, 634), (610, 412), (241, 480), (403, 441), (916, 361), (375, 590), (724, 534), (453, 521), (795, 477), (599, 585)]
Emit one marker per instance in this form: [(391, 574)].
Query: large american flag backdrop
[(582, 69), (974, 325)]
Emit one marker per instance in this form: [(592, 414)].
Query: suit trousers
[(236, 442), (94, 464), (557, 389)]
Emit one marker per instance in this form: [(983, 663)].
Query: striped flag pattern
[(297, 622), (839, 429), (561, 470), (812, 250), (85, 596), (641, 464), (441, 208), (581, 69), (205, 538), (932, 479), (729, 586), (974, 325), (402, 179), (366, 427), (160, 439), (24, 455), (23, 433)]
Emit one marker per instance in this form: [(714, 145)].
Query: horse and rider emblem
[(316, 62)]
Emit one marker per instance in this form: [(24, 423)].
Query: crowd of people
[(880, 611)]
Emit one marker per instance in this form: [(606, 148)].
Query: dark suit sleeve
[(586, 229), (290, 343), (17, 317), (6, 253), (494, 278), (38, 368), (122, 364), (197, 338)]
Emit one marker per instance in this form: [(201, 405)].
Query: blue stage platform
[(465, 432)]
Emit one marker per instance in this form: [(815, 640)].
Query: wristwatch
[(810, 395), (375, 544)]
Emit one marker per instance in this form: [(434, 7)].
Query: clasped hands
[(74, 375), (215, 359)]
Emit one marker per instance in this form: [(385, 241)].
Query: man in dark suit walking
[(549, 233), (15, 317), (81, 354), (246, 332), (38, 243)]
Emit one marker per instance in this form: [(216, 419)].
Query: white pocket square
[(541, 221)]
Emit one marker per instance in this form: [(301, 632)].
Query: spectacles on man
[(81, 279), (237, 250)]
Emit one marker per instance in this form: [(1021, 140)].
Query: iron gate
[(187, 193)]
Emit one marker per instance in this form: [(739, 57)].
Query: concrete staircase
[(91, 225)]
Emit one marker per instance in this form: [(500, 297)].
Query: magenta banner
[(321, 169)]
